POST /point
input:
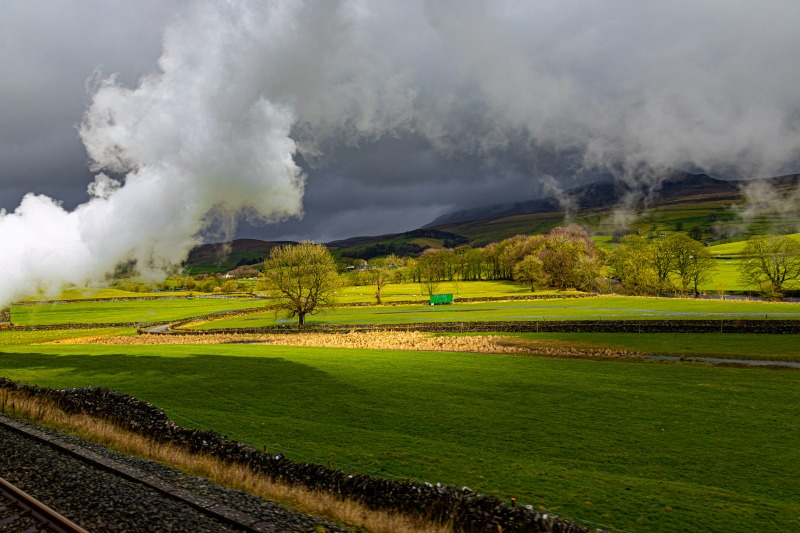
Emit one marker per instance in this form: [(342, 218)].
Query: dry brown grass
[(232, 476), (381, 340)]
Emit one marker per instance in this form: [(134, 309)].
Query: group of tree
[(203, 282), (770, 262), (674, 263), (303, 278), (562, 258)]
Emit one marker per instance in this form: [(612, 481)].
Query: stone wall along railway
[(467, 511)]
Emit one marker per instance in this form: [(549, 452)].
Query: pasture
[(405, 292), (634, 446), (111, 312), (590, 308), (723, 346)]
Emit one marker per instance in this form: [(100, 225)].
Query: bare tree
[(379, 272), (301, 278), (691, 262), (770, 261)]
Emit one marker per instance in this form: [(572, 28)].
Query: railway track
[(213, 510), (22, 512)]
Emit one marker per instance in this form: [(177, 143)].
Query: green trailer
[(438, 299)]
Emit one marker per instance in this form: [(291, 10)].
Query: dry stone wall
[(466, 510), (558, 326)]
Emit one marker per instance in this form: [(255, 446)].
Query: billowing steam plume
[(629, 88), (199, 138)]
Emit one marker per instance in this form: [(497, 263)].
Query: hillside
[(695, 203), (601, 195), (682, 203), (227, 256)]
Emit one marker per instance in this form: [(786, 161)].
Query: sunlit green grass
[(88, 293), (726, 346), (110, 312), (635, 446), (403, 292), (13, 338), (725, 278), (592, 308), (736, 248)]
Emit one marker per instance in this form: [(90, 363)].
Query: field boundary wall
[(466, 510), (534, 326)]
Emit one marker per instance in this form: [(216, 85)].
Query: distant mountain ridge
[(680, 201), (594, 195), (227, 255)]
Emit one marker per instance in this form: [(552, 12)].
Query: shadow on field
[(224, 382)]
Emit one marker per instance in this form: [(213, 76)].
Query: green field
[(404, 292), (634, 446), (591, 308), (110, 312), (85, 293), (724, 346), (639, 447), (736, 248)]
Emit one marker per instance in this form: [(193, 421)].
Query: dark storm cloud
[(48, 52), (401, 184), (363, 117)]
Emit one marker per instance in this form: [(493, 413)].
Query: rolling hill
[(706, 207), (226, 256)]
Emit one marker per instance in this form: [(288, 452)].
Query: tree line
[(303, 278)]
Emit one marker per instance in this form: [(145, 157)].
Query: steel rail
[(47, 519), (227, 515)]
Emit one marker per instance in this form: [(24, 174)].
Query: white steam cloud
[(197, 137), (631, 88)]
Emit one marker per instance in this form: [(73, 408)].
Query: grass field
[(635, 446), (736, 248), (82, 312), (400, 292), (593, 308), (725, 346)]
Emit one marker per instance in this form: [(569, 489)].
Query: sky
[(134, 130)]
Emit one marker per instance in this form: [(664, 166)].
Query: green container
[(441, 299)]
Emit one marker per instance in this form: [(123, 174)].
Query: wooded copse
[(566, 258)]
